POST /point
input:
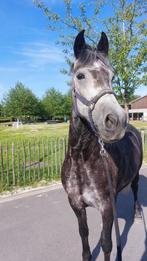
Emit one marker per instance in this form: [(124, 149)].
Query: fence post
[(52, 162), (38, 160), (2, 162), (18, 162), (34, 152), (55, 155), (24, 163), (13, 163), (60, 161), (43, 157), (143, 139), (29, 160), (48, 162), (7, 163)]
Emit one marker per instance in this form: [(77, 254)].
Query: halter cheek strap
[(90, 104)]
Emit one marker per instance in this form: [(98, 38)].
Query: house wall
[(140, 103)]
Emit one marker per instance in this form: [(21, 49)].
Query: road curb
[(29, 192)]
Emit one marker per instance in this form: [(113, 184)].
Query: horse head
[(94, 99)]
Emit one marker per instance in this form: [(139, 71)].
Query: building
[(138, 109)]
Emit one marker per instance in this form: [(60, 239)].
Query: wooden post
[(34, 151), (63, 148), (60, 161), (52, 159), (2, 162), (66, 144), (43, 156), (29, 160), (13, 163), (24, 163), (7, 163), (18, 163), (38, 160), (48, 162), (143, 139), (55, 156)]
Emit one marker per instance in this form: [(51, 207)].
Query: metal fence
[(28, 162)]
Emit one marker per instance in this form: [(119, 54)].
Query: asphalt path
[(40, 226)]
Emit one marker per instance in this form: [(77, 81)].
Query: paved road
[(42, 227)]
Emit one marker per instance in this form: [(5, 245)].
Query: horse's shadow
[(125, 200)]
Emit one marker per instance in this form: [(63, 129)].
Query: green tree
[(53, 104), (126, 31), (67, 104), (1, 110), (20, 102), (57, 105)]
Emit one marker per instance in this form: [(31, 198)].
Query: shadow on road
[(96, 251), (143, 201), (125, 211)]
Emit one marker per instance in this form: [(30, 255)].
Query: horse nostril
[(111, 121)]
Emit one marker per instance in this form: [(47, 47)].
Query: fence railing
[(28, 162), (25, 163)]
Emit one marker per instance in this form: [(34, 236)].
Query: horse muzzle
[(113, 126)]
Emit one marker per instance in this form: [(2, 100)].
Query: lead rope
[(104, 155)]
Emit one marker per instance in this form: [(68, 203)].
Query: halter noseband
[(90, 104)]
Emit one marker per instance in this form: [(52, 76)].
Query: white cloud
[(40, 54)]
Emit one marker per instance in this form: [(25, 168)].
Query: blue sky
[(28, 52), (27, 49)]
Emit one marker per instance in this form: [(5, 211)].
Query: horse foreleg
[(107, 221), (83, 230), (137, 207)]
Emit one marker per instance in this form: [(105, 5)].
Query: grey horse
[(97, 116)]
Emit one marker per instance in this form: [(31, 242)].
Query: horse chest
[(91, 197), (79, 192)]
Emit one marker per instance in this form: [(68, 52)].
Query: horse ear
[(79, 43), (103, 45)]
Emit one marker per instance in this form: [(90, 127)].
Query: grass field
[(29, 131), (139, 124), (35, 152), (31, 154)]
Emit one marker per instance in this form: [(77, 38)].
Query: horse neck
[(79, 133)]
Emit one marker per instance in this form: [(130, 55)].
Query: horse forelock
[(88, 57)]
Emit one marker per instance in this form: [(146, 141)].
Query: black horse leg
[(83, 230), (106, 242), (137, 207)]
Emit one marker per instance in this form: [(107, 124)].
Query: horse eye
[(80, 76)]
